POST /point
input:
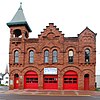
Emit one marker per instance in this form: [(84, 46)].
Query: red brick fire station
[(50, 61)]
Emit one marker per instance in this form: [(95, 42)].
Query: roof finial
[(21, 4), (20, 8)]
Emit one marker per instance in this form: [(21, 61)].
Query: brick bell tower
[(19, 33)]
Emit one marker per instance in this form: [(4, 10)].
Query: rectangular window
[(70, 80), (16, 60), (50, 80), (31, 80), (6, 77), (54, 59), (31, 60), (70, 59), (46, 60), (6, 82)]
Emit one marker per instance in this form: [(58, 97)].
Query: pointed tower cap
[(19, 19)]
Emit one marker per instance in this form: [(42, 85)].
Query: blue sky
[(70, 16)]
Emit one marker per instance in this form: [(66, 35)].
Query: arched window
[(87, 55), (46, 56), (17, 33), (31, 56), (70, 56), (55, 56), (16, 56)]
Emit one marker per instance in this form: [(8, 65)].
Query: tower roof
[(19, 19)]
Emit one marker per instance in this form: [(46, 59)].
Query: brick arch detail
[(55, 48), (16, 29), (16, 71), (31, 48), (30, 69), (50, 35), (16, 48), (45, 48), (88, 71), (70, 47), (72, 68), (87, 46)]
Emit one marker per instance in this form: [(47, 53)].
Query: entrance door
[(86, 82), (50, 82), (16, 81), (31, 80), (70, 80)]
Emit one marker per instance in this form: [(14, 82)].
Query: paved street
[(4, 88), (23, 97), (6, 94)]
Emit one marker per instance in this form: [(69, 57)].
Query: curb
[(39, 94), (50, 93)]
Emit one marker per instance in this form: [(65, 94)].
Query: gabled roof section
[(19, 19), (87, 30), (51, 31)]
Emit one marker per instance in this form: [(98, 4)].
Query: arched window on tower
[(70, 56), (16, 56), (55, 56), (31, 56), (46, 56), (17, 33), (87, 55)]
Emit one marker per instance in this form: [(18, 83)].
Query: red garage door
[(70, 80), (31, 80), (50, 82)]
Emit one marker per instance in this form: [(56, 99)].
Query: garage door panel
[(50, 82), (31, 81), (70, 80)]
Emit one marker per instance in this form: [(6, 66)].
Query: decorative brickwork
[(69, 63), (53, 39)]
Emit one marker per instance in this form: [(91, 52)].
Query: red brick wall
[(51, 38)]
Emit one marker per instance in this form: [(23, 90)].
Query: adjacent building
[(4, 78), (98, 81), (50, 61), (0, 77)]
